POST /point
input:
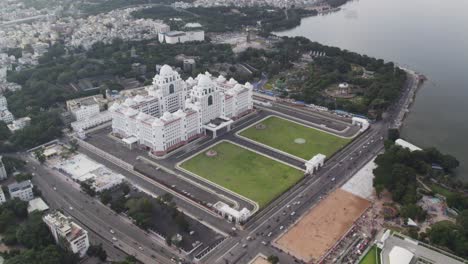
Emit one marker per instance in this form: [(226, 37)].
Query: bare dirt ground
[(313, 235)]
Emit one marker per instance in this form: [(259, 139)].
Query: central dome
[(204, 81), (165, 70)]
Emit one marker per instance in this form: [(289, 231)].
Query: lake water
[(429, 36)]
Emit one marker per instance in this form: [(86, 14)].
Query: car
[(71, 208), (281, 227), (55, 188), (333, 179), (293, 213), (114, 238), (264, 243), (140, 248), (112, 231), (244, 245), (269, 234)]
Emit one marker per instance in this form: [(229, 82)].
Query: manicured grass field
[(245, 172), (371, 257), (280, 134)]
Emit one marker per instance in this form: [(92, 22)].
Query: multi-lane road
[(125, 237)]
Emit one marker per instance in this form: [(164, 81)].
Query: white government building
[(175, 111)]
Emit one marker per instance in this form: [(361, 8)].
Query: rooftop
[(37, 204), (17, 186)]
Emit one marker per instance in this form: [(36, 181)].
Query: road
[(61, 193)]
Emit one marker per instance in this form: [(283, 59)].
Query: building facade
[(173, 37), (21, 190), (175, 112), (3, 172), (2, 196), (67, 233)]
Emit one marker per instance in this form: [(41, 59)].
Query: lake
[(430, 37)]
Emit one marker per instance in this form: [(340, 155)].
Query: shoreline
[(418, 81)]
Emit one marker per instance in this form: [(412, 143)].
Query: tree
[(393, 134), (5, 132), (273, 259), (106, 197), (88, 188), (13, 164), (449, 162), (125, 188), (462, 220), (39, 154), (97, 251), (23, 177), (413, 211), (34, 233), (7, 218), (73, 145)]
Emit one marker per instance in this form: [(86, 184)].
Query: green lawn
[(245, 172), (280, 134), (440, 190), (372, 256)]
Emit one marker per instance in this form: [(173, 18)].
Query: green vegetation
[(228, 19), (244, 172), (453, 236), (29, 232), (94, 7), (273, 259), (12, 164), (280, 134), (308, 85), (398, 167), (372, 256), (441, 190), (397, 171), (97, 251)]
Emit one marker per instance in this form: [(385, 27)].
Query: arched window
[(210, 100), (171, 88)]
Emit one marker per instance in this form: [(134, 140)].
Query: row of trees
[(226, 19)]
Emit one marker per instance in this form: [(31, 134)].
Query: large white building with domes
[(174, 111)]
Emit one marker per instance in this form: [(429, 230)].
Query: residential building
[(3, 102), (19, 124), (3, 172), (6, 116), (21, 190), (2, 196), (67, 233), (175, 112)]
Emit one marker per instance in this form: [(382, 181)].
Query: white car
[(140, 248), (112, 231), (71, 208), (114, 238)]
